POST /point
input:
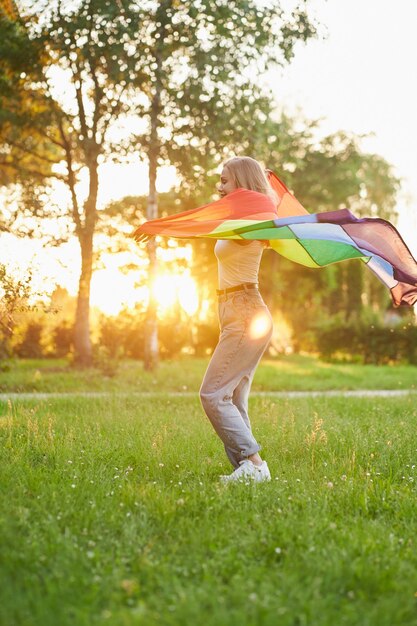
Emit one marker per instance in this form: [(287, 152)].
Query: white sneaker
[(248, 471)]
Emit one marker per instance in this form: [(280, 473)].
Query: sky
[(358, 76)]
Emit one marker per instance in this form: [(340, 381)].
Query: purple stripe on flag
[(382, 239)]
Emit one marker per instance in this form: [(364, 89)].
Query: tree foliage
[(326, 174), (174, 82)]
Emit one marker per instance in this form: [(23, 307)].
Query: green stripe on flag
[(326, 252)]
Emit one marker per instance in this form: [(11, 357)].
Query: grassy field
[(111, 511), (290, 373)]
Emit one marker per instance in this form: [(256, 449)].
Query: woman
[(246, 329), (314, 240)]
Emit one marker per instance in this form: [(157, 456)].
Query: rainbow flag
[(311, 239)]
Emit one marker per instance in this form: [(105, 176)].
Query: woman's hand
[(143, 238)]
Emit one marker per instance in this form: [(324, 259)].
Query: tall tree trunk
[(151, 324), (82, 342), (151, 352)]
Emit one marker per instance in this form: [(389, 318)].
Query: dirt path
[(356, 393)]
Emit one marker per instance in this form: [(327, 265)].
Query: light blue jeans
[(245, 332)]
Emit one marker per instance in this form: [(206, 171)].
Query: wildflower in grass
[(180, 501), (330, 484), (278, 550)]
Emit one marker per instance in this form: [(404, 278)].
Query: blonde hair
[(249, 174)]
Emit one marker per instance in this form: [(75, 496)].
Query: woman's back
[(237, 263)]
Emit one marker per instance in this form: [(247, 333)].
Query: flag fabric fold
[(310, 239)]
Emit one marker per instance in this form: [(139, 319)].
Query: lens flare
[(260, 325)]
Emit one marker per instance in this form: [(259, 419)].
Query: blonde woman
[(246, 329)]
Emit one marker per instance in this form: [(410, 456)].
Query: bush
[(173, 335), (30, 347), (62, 338), (111, 336), (206, 338), (123, 334), (368, 343), (105, 361)]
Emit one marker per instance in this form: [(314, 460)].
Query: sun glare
[(168, 289), (187, 295), (111, 291), (164, 292)]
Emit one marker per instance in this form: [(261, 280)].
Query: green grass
[(111, 513), (285, 374)]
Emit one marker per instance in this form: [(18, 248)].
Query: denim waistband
[(242, 287)]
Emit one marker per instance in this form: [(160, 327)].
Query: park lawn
[(288, 373), (111, 513)]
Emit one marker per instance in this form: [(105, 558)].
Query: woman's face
[(226, 183)]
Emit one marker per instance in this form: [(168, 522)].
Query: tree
[(329, 174), (326, 175), (188, 72), (14, 299)]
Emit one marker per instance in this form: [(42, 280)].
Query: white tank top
[(237, 264)]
